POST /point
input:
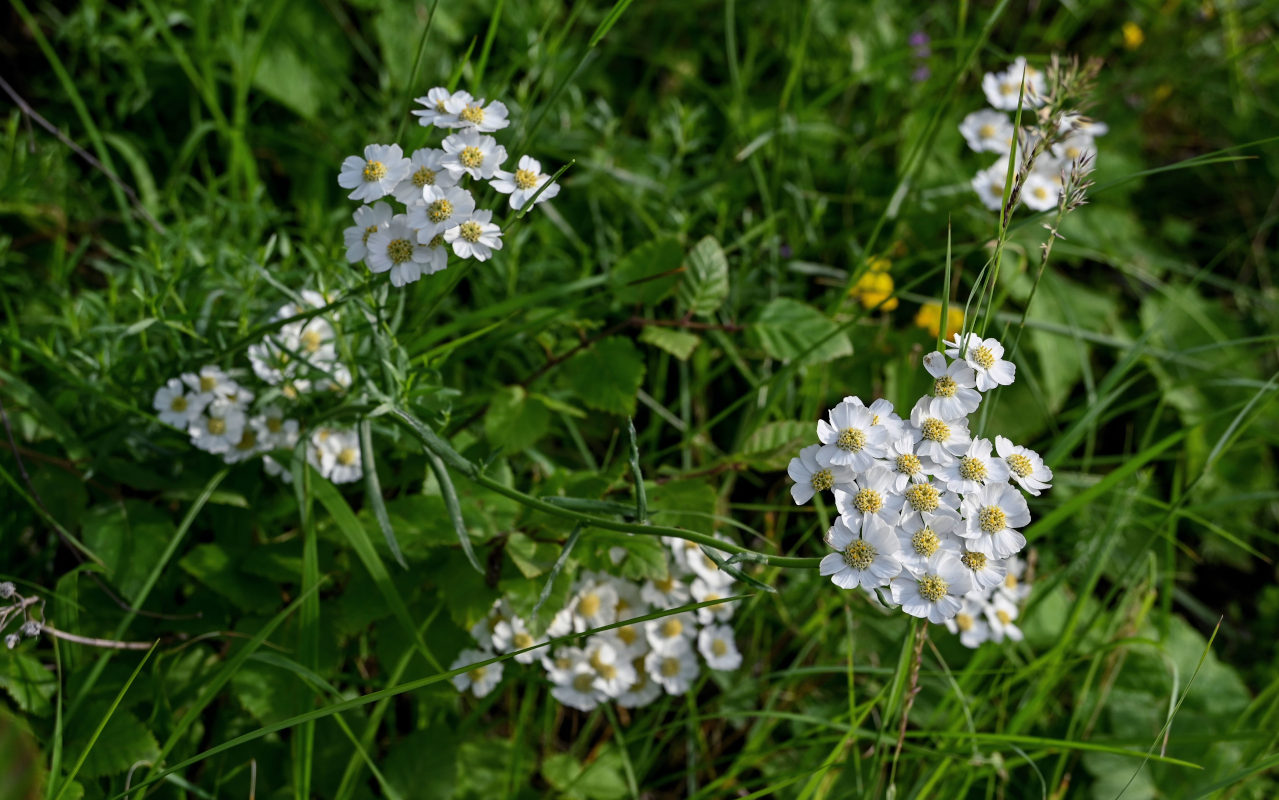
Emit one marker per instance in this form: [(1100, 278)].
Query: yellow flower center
[(471, 157), (1003, 616), (986, 131), (589, 605), (436, 241), (944, 386), (1007, 88), (607, 671), (964, 621), (851, 439), (822, 480), (472, 114), (971, 469), (984, 358), (274, 424), (347, 456), (311, 340), (425, 176), (522, 640), (476, 675), (924, 497), (1072, 153), (665, 584), (525, 179), (868, 501), (369, 231), (672, 628), (216, 426), (399, 251), (996, 189), (934, 430), (908, 464), (1010, 580), (583, 682), (208, 384), (992, 519), (178, 403), (627, 634), (670, 667), (1040, 193), (439, 106), (470, 231), (374, 171), (925, 541), (718, 647), (247, 442), (859, 555), (974, 561), (1020, 464), (932, 588), (439, 211)]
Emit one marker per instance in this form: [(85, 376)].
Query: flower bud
[(31, 628), (11, 641), (7, 590)]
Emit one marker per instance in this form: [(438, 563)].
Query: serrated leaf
[(705, 284), (129, 537), (514, 420), (641, 556), (423, 766), (124, 742), (785, 329), (647, 273), (670, 503), (26, 680), (607, 376), (678, 343), (531, 558), (601, 779), (269, 693)]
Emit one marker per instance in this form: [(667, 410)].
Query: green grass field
[(759, 207)]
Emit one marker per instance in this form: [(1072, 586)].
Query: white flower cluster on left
[(439, 211), (929, 516), (631, 664), (217, 411)]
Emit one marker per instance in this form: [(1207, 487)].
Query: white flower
[(1075, 122), (969, 624), (211, 383), (630, 603), (953, 386), (683, 551), (472, 154), (925, 501), (865, 561), (940, 438), (219, 428), (986, 357), (644, 691), (1040, 192), (559, 665), (613, 672), (670, 631), (850, 439), (578, 688), (705, 568), (936, 596), (925, 541), (904, 463), (989, 184), (628, 640), (811, 476), (1024, 466), (482, 631), (512, 634), (1003, 89), (716, 645), (376, 175), (992, 515), (524, 182), (704, 592), (986, 573), (175, 406), (475, 115), (663, 594), (480, 680), (1075, 146), (339, 454), (276, 470), (870, 497), (442, 208), (248, 446), (396, 248), (974, 469), (476, 237), (675, 669), (1013, 588), (883, 415), (436, 108), (988, 131), (274, 432), (1000, 614), (426, 168), (368, 221), (594, 606)]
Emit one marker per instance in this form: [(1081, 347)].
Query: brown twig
[(920, 638), (109, 644)]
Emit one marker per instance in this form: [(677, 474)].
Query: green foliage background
[(735, 164)]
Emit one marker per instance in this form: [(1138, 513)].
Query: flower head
[(176, 406), (376, 175), (472, 154), (988, 131), (524, 182), (472, 114), (867, 560), (435, 107), (851, 438), (396, 248), (442, 208), (811, 476), (715, 642), (986, 357), (992, 517), (936, 595), (426, 168), (953, 386), (476, 236), (1025, 466), (479, 679)]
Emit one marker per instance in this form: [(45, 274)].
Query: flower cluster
[(631, 664), (439, 212), (929, 516), (1043, 154), (218, 412)]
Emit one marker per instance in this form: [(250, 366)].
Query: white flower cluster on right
[(631, 665), (990, 130), (930, 517)]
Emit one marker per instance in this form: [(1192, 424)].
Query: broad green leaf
[(219, 570), (22, 771), (27, 681), (600, 779), (630, 555), (532, 558), (269, 693), (678, 343), (787, 328), (670, 503), (423, 766), (123, 742), (607, 375), (514, 420), (705, 284), (129, 537), (647, 273)]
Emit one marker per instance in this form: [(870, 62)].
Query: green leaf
[(602, 779), (217, 569), (607, 376), (515, 421), (269, 693), (21, 764), (27, 682), (647, 273), (674, 499), (678, 343), (129, 537), (643, 556), (423, 766), (773, 445), (705, 284), (123, 742), (532, 558), (787, 328)]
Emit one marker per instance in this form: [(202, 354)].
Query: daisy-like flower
[(925, 501), (665, 593), (442, 208), (1024, 466), (671, 631), (630, 603), (925, 541), (1014, 588), (613, 672), (1000, 614), (850, 439), (629, 640), (248, 446), (986, 573), (970, 624), (210, 383), (560, 664), (340, 453), (811, 476), (905, 465), (426, 168), (989, 184), (219, 428), (1075, 146), (674, 669), (954, 386), (988, 131), (643, 691), (524, 182), (513, 634), (865, 561), (704, 592), (870, 497), (376, 175), (1003, 89), (578, 688), (973, 470), (396, 248), (435, 111), (594, 606), (940, 438), (475, 114), (175, 406), (986, 357), (480, 680), (717, 646), (482, 631), (274, 431), (683, 552), (1040, 192), (476, 237), (992, 515), (470, 153), (705, 568), (368, 221), (936, 596), (883, 415)]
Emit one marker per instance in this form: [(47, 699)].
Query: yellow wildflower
[(874, 287), (1133, 36), (878, 264), (929, 318)]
